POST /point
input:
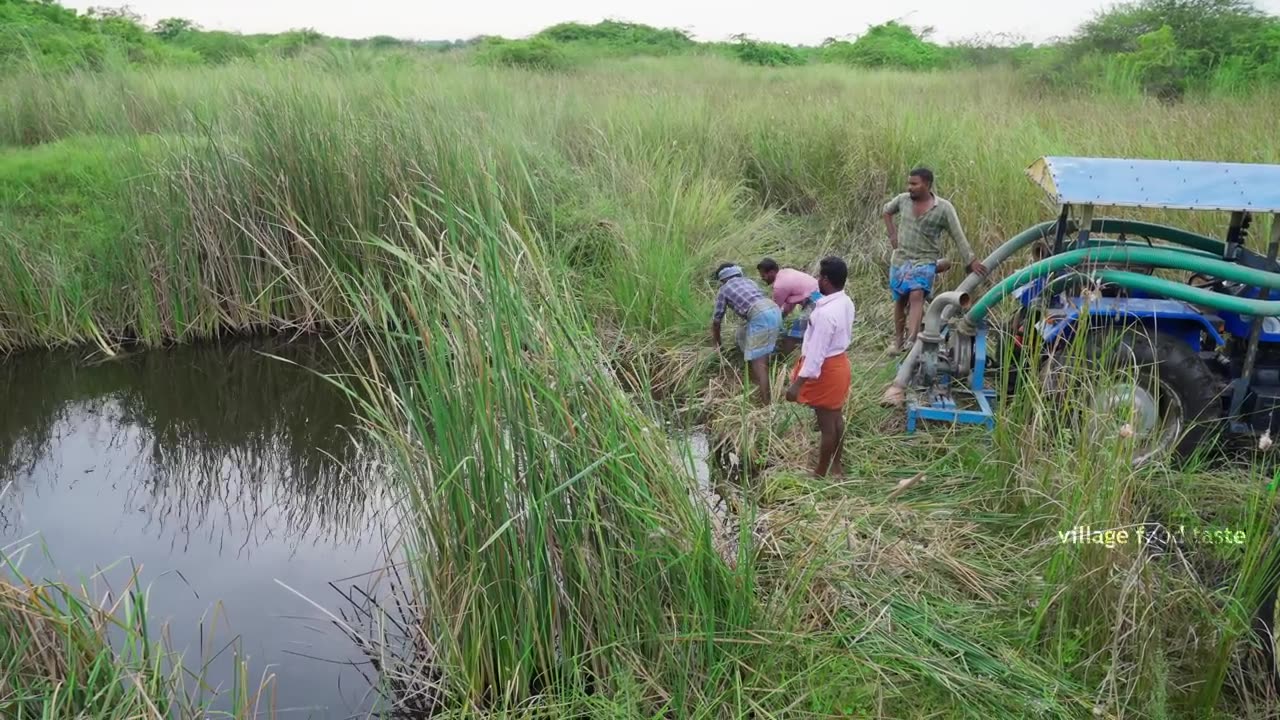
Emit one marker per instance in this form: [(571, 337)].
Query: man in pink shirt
[(822, 376), (791, 289)]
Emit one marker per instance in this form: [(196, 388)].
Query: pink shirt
[(791, 287), (829, 332)]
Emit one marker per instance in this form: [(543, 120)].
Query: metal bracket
[(1241, 384), (1060, 230)]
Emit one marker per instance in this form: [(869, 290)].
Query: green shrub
[(890, 45), (619, 38), (754, 52), (532, 54), (997, 49), (216, 47), (173, 28), (294, 42), (1159, 64), (1167, 47)]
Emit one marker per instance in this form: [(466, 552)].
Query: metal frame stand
[(942, 407)]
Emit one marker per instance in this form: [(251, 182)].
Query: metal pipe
[(932, 331), (931, 335), (1155, 257)]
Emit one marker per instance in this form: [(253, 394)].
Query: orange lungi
[(830, 389)]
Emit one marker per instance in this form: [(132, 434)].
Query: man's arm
[(716, 317), (957, 236), (781, 299), (891, 208)]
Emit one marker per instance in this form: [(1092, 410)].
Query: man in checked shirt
[(915, 221), (762, 319)]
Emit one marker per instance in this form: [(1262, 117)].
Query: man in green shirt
[(915, 221)]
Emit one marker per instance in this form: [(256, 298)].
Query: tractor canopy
[(1168, 184)]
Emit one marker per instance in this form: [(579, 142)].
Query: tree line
[(1165, 48)]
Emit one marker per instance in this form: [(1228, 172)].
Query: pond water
[(215, 474)]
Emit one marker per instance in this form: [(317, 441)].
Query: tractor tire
[(1174, 387)]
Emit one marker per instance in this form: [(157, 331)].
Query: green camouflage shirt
[(920, 238)]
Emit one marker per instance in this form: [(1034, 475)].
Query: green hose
[(1044, 231), (1156, 257), (1100, 243), (1198, 296), (1160, 232)]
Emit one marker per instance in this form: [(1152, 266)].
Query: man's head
[(726, 271), (919, 183), (768, 268), (832, 272)]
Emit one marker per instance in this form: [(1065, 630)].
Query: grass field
[(530, 256)]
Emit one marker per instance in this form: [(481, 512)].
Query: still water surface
[(216, 474)]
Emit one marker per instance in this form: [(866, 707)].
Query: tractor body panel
[(1170, 317)]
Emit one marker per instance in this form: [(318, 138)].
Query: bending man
[(761, 322), (791, 291)]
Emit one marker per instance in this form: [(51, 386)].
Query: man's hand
[(793, 390), (891, 229), (977, 267)]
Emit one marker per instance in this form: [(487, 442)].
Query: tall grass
[(554, 545), (647, 172), (64, 654)]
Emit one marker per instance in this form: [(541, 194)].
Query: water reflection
[(217, 470)]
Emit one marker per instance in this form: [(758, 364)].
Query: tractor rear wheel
[(1151, 387)]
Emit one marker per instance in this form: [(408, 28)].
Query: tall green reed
[(554, 545)]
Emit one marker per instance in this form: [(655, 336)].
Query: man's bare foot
[(894, 396), (895, 347)]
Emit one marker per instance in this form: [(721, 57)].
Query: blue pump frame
[(942, 407)]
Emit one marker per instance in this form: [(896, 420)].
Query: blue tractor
[(1197, 317)]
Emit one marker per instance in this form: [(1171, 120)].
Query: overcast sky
[(789, 21)]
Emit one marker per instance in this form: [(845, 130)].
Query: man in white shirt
[(823, 376)]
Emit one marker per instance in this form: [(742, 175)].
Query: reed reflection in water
[(216, 470)]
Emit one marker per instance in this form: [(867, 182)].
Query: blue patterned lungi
[(759, 334), (911, 276)]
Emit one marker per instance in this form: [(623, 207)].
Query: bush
[(754, 52), (619, 38), (532, 54), (991, 50), (215, 47), (292, 43), (55, 38), (173, 28), (1159, 64), (890, 45), (1167, 47)]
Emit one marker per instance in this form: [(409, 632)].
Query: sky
[(791, 21)]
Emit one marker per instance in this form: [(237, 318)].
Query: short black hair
[(923, 173), (834, 270), (716, 275), (767, 264)]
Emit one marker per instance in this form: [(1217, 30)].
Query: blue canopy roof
[(1172, 184)]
